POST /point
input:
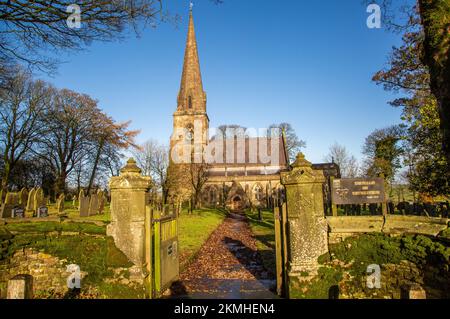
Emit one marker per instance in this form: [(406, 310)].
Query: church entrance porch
[(237, 204)]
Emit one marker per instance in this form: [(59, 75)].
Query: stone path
[(227, 266)]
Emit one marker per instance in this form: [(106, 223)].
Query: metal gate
[(162, 257)]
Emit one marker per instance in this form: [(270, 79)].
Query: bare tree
[(22, 103), (293, 143), (198, 173), (153, 159), (348, 163)]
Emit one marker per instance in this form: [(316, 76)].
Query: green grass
[(50, 226), (72, 212), (264, 233), (194, 229)]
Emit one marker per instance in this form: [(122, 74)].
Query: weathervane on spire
[(191, 5)]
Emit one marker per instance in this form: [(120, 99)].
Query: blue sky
[(309, 63)]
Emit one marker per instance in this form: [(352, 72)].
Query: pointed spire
[(191, 95)]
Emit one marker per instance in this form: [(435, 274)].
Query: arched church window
[(190, 102)]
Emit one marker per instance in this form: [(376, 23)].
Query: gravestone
[(307, 228), (128, 207), (42, 212), (18, 212), (30, 202), (93, 205), (39, 200), (83, 204), (60, 203), (101, 201), (23, 198), (11, 202), (74, 200), (20, 287)]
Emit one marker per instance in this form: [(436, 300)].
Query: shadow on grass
[(252, 260), (267, 240)]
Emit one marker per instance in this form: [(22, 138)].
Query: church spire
[(191, 95)]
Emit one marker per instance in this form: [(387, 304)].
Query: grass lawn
[(195, 229), (72, 212), (264, 233), (50, 226)]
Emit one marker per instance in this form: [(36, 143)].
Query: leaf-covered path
[(227, 266)]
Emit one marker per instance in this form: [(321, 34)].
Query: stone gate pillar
[(306, 224), (127, 227)]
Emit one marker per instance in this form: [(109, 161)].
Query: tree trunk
[(436, 55), (5, 178), (60, 185), (94, 167)]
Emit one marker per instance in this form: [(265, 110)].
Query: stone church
[(242, 179)]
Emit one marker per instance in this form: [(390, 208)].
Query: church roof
[(251, 151)]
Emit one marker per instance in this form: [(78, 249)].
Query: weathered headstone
[(101, 201), (30, 202), (39, 200), (42, 212), (20, 287), (60, 203), (23, 198), (307, 227), (83, 203), (11, 202), (18, 212), (128, 207), (12, 198), (93, 205), (74, 200)]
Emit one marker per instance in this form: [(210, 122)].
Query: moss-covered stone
[(404, 260)]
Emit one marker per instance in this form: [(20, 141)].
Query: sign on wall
[(357, 191)]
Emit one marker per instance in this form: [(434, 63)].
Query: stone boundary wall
[(49, 272), (342, 227)]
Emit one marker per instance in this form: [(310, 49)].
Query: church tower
[(190, 120)]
